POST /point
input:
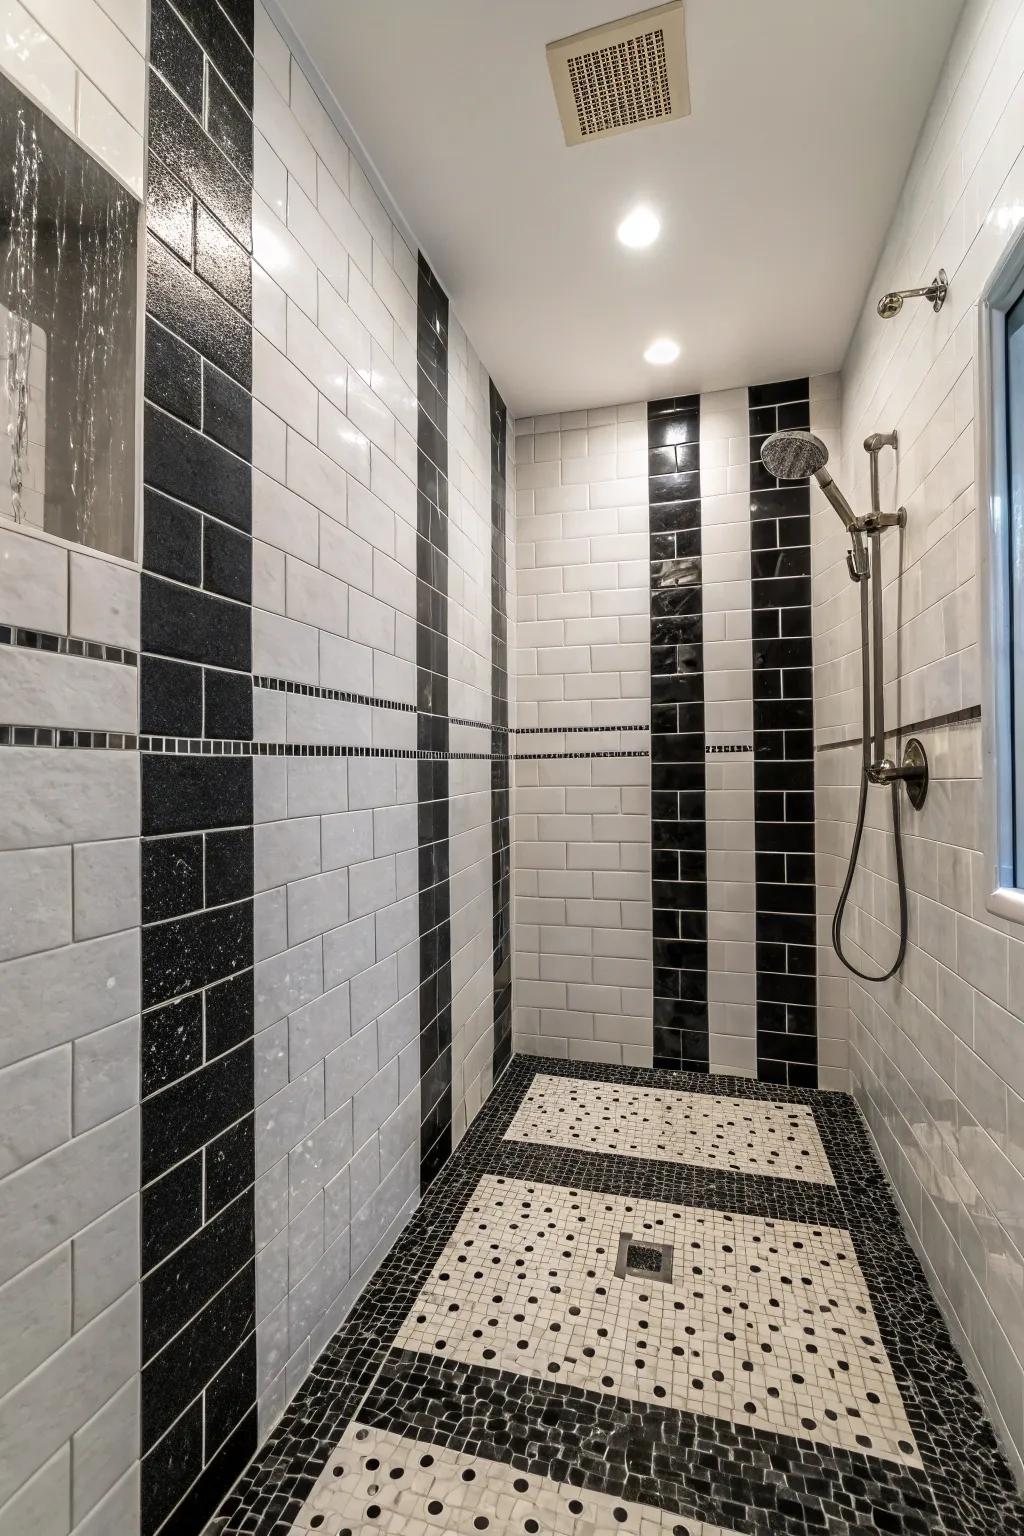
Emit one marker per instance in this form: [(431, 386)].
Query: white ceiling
[(774, 194)]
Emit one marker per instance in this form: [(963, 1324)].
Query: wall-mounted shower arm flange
[(913, 772), (891, 303)]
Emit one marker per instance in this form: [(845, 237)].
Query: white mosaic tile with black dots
[(386, 1482), (707, 1130), (762, 1322), (745, 1474)]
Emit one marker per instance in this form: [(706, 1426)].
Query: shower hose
[(862, 805)]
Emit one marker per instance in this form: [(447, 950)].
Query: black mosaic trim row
[(757, 1483), (336, 695), (678, 810), (199, 1421), (693, 1465), (969, 715), (780, 589), (433, 727), (501, 842), (120, 741), (66, 645)]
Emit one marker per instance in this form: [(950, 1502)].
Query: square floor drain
[(643, 1261)]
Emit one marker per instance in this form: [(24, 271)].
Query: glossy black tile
[(169, 1468), (185, 953), (178, 140), (170, 214), (172, 1209), (220, 38), (177, 1289), (229, 1014), (175, 55), (172, 543), (227, 412), (170, 698), (220, 1472), (228, 705), (175, 1377), (189, 625), (190, 308), (182, 794), (229, 125), (192, 468), (171, 1043), (229, 866), (227, 561), (172, 877), (180, 1119), (229, 1393), (173, 375), (222, 262), (230, 1166)]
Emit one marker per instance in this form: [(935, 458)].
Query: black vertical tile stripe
[(780, 570), (678, 811), (198, 1167), (435, 995), (500, 842)]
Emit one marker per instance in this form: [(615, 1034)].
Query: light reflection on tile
[(766, 1323), (704, 1129)]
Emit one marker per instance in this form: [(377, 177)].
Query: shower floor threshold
[(641, 1301)]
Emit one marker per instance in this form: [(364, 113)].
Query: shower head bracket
[(890, 304)]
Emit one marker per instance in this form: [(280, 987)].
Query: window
[(1001, 506), (68, 300)]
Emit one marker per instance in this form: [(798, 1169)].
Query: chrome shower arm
[(859, 559)]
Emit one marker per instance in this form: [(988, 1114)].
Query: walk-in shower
[(794, 456)]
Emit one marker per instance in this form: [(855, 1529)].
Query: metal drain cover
[(643, 1261)]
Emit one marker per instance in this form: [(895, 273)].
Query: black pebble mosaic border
[(752, 1482)]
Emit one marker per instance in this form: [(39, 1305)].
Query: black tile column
[(780, 569), (501, 851), (432, 725), (198, 1242), (678, 825)]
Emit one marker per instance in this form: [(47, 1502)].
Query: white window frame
[(1004, 870)]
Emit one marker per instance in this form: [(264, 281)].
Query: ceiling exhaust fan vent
[(622, 75)]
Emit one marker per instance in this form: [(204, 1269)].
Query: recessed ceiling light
[(639, 228), (662, 351)]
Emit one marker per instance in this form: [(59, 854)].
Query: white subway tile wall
[(334, 514), (935, 1053), (581, 824)]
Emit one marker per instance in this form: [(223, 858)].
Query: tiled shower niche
[(68, 284)]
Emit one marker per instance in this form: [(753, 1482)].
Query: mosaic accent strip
[(776, 1326), (501, 842), (66, 645), (432, 725), (732, 1475), (198, 1399), (119, 741), (703, 1129), (780, 569), (678, 814), (389, 1482)]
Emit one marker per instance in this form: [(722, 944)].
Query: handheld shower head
[(793, 455)]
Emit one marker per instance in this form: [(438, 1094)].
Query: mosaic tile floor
[(630, 1304), (699, 1128)]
